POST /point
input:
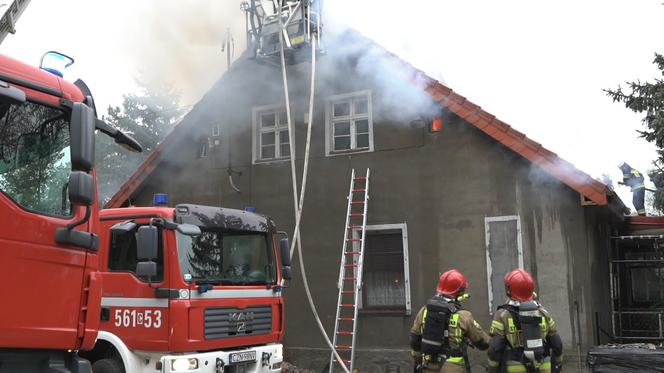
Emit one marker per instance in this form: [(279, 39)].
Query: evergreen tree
[(648, 98), (148, 117)]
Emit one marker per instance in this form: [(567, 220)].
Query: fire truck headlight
[(184, 364)]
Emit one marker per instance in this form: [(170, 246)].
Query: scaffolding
[(637, 288)]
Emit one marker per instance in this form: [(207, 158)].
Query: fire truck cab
[(48, 220), (190, 289)]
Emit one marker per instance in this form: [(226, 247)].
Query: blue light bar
[(160, 199)]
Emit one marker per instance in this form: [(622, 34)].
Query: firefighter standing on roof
[(523, 334), (439, 333), (634, 179)]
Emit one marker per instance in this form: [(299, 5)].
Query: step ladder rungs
[(349, 282)]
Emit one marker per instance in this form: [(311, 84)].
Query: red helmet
[(452, 283), (519, 285)]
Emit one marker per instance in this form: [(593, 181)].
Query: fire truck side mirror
[(82, 131), (120, 137), (284, 253), (81, 188), (146, 269), (146, 243)]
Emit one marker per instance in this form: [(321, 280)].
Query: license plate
[(242, 357)]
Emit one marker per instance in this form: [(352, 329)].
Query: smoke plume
[(180, 42)]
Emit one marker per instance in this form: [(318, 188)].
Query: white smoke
[(180, 42)]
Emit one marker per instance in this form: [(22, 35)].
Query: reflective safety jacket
[(633, 178), (506, 346), (462, 325)]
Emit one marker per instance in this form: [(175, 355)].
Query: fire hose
[(299, 204)]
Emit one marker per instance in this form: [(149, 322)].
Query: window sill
[(348, 152), (383, 312), (270, 161)]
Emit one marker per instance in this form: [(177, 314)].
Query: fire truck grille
[(229, 322)]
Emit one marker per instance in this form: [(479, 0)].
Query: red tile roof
[(559, 168)]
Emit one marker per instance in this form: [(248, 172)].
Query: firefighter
[(441, 329), (523, 334), (634, 179)]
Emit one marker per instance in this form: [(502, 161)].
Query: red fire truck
[(190, 289), (49, 224)]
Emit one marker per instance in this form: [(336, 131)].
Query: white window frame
[(403, 227), (256, 132), (487, 236), (329, 123), (215, 130)]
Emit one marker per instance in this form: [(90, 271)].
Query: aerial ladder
[(12, 12)]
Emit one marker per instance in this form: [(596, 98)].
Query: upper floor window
[(270, 134), (349, 124)]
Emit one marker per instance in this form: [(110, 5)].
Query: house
[(474, 194)]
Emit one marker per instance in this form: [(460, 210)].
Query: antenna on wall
[(229, 47)]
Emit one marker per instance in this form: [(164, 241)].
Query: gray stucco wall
[(442, 185)]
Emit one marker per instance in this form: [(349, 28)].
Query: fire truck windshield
[(34, 157), (226, 257)]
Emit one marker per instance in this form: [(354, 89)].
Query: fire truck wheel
[(107, 366)]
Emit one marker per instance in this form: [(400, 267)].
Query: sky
[(538, 66)]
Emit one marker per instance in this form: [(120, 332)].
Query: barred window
[(385, 273)]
